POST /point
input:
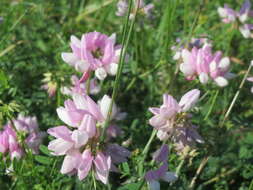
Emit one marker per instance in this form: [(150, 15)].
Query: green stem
[(212, 104), (147, 147), (251, 185), (236, 95), (125, 42)]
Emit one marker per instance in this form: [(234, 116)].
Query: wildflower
[(203, 63), (94, 52), (154, 176), (26, 131), (122, 8), (81, 147), (246, 30), (245, 11), (227, 14), (80, 87), (29, 126), (230, 16), (49, 85), (171, 119)]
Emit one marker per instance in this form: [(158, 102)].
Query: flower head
[(154, 176), (229, 15), (81, 147), (25, 130), (94, 52), (172, 121), (203, 63), (144, 9)]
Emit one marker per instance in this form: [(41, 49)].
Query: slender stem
[(125, 42), (222, 175), (236, 95), (144, 155), (212, 104), (180, 166), (251, 185), (147, 147), (200, 168)]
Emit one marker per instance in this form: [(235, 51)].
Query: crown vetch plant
[(82, 147), (229, 15), (94, 52), (20, 134), (172, 122), (202, 63)]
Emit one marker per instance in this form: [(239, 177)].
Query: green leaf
[(126, 169), (43, 159), (3, 80), (45, 150)]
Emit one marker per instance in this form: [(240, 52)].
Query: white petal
[(104, 105), (203, 78), (186, 56), (221, 81), (222, 12), (162, 135), (64, 116), (80, 101), (224, 63), (80, 138), (243, 17), (59, 146), (213, 66), (112, 69), (68, 165), (245, 32), (81, 66), (75, 41), (187, 69), (100, 73), (69, 58)]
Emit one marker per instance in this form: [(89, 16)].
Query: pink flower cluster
[(81, 146), (171, 120), (229, 15), (94, 52), (201, 62), (11, 137), (122, 8), (153, 176)]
